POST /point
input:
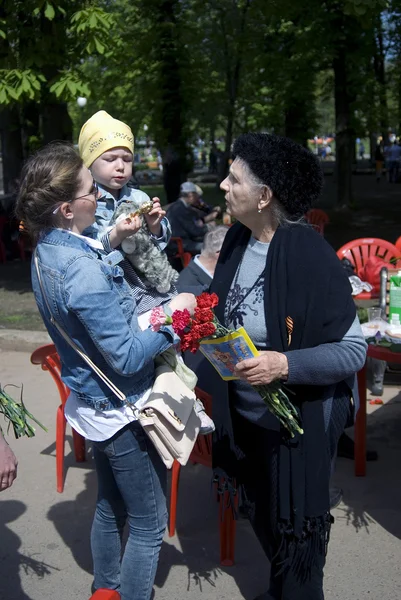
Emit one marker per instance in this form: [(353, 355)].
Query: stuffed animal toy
[(141, 251)]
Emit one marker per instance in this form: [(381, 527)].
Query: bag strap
[(73, 345)]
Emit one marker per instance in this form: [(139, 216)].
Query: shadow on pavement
[(11, 560), (376, 497), (194, 551), (73, 520), (195, 546)]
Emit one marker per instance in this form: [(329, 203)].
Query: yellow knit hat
[(101, 133)]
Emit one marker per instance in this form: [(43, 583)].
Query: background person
[(198, 275), (207, 213), (283, 282), (8, 465), (94, 304), (393, 158), (184, 221)]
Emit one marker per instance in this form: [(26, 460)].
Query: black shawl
[(305, 281)]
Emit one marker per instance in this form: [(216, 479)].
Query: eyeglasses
[(94, 191)]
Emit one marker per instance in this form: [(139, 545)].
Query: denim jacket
[(106, 205), (92, 302)]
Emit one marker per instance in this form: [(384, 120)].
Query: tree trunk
[(172, 174), (212, 133), (380, 72), (172, 132), (345, 135), (11, 147), (56, 122), (294, 122), (399, 101), (372, 147), (225, 156), (233, 67), (30, 125)]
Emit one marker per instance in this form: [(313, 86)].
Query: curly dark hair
[(292, 172), (48, 178)]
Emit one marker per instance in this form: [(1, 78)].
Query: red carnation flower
[(206, 300), (189, 343), (206, 329), (204, 315), (195, 332), (202, 301), (181, 319), (214, 299)]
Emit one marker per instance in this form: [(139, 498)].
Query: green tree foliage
[(209, 68), (42, 43)]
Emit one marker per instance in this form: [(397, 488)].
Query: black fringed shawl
[(305, 281)]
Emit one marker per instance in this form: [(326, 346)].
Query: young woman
[(88, 296)]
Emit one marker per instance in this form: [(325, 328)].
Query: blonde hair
[(48, 178)]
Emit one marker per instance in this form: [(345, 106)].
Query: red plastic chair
[(49, 360), (202, 454), (398, 245), (185, 257), (104, 594), (318, 219), (360, 250)]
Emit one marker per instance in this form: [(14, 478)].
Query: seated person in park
[(198, 275), (185, 222), (207, 212)]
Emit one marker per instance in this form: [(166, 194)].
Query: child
[(106, 146)]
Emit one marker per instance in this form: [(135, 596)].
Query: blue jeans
[(132, 483)]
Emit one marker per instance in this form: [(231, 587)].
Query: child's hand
[(155, 216), (124, 229)]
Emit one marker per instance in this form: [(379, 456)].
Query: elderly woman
[(279, 279)]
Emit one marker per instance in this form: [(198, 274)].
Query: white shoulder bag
[(168, 416)]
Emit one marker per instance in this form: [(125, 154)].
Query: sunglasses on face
[(94, 191)]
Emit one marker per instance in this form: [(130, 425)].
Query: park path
[(44, 536)]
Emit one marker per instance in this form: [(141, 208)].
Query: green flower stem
[(16, 414), (280, 406), (273, 394)]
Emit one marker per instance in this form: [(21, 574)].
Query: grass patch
[(22, 321)]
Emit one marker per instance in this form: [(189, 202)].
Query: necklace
[(242, 297)]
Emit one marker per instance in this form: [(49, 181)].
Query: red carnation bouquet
[(201, 326), (224, 348)]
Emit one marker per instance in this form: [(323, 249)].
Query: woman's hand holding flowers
[(263, 369), (264, 372)]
